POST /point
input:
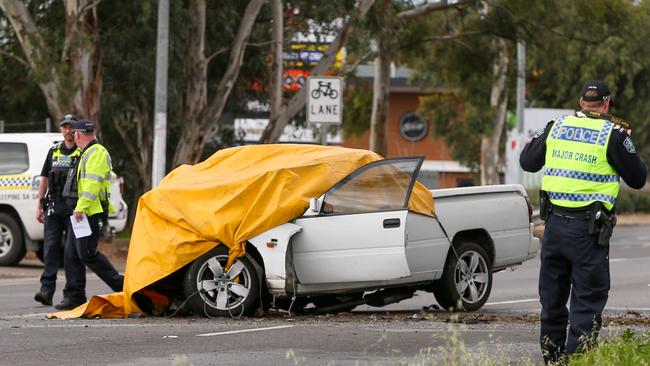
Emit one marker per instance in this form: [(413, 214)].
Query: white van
[(21, 159)]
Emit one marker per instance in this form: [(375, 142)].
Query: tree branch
[(15, 57), (431, 7), (216, 53), (87, 7)]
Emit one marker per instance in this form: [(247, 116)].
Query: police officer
[(584, 154), (87, 189), (51, 207)]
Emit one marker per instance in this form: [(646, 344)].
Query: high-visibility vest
[(576, 172), (93, 180), (60, 166)]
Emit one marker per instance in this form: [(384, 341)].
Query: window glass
[(13, 158), (377, 186)]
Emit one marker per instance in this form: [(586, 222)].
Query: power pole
[(160, 106), (521, 98)]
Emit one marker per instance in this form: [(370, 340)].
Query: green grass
[(627, 350)]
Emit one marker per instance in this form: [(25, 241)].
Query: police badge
[(629, 145)]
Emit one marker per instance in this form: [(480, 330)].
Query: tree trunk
[(73, 83), (196, 96), (498, 105), (197, 132), (380, 101), (273, 131)]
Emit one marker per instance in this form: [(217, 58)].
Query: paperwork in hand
[(81, 228)]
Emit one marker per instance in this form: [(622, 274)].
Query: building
[(410, 135)]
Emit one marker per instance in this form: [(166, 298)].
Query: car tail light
[(121, 180), (530, 209)]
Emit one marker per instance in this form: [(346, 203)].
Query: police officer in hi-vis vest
[(87, 190), (584, 155), (51, 207)]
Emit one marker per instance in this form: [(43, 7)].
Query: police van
[(21, 159)]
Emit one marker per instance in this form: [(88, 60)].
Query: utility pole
[(160, 106), (521, 98), (48, 125)]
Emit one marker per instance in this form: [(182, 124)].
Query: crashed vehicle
[(324, 228)]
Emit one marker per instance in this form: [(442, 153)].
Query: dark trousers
[(56, 223), (571, 263), (82, 252)]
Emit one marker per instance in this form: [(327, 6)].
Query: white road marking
[(244, 331), (6, 317), (34, 280), (616, 260), (618, 308), (510, 302)]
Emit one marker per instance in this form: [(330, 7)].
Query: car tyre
[(12, 246), (465, 285), (211, 291)]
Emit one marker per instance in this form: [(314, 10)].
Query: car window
[(382, 185), (13, 158)]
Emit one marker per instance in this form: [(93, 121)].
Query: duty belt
[(581, 213)]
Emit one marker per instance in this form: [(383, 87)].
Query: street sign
[(324, 100)]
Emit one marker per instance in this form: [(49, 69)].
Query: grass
[(626, 350)]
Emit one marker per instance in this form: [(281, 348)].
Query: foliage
[(627, 350), (357, 106)]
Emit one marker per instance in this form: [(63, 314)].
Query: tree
[(469, 55), (289, 110), (68, 68), (202, 117)]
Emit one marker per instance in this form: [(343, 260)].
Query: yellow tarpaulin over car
[(232, 196)]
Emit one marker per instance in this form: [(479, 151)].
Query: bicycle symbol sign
[(324, 104)]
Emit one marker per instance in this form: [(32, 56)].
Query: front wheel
[(215, 292), (467, 279), (12, 246)]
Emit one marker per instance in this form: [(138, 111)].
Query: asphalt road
[(505, 328)]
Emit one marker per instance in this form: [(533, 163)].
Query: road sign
[(324, 100)]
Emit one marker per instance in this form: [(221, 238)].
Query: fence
[(37, 126)]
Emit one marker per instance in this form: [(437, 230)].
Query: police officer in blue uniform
[(584, 155), (51, 207)]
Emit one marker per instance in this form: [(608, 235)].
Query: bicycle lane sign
[(324, 100)]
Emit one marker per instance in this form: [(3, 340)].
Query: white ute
[(356, 245), (21, 160)]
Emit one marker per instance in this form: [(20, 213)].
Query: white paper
[(81, 228)]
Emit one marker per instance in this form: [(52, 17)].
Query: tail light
[(530, 209), (121, 181)]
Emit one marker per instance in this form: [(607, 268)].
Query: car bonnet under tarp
[(232, 196)]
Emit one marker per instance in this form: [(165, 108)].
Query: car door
[(360, 232)]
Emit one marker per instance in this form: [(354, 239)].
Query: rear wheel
[(12, 246), (212, 291), (466, 283)]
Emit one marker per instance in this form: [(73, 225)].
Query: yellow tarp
[(229, 198)]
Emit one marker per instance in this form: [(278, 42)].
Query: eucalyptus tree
[(60, 51)]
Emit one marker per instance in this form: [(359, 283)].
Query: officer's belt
[(582, 213)]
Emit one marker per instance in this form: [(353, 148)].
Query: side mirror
[(315, 204)]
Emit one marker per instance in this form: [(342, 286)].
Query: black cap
[(83, 125), (596, 91), (68, 119)]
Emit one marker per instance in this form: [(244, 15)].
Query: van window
[(13, 158)]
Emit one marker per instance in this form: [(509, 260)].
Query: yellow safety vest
[(94, 180), (576, 172)]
